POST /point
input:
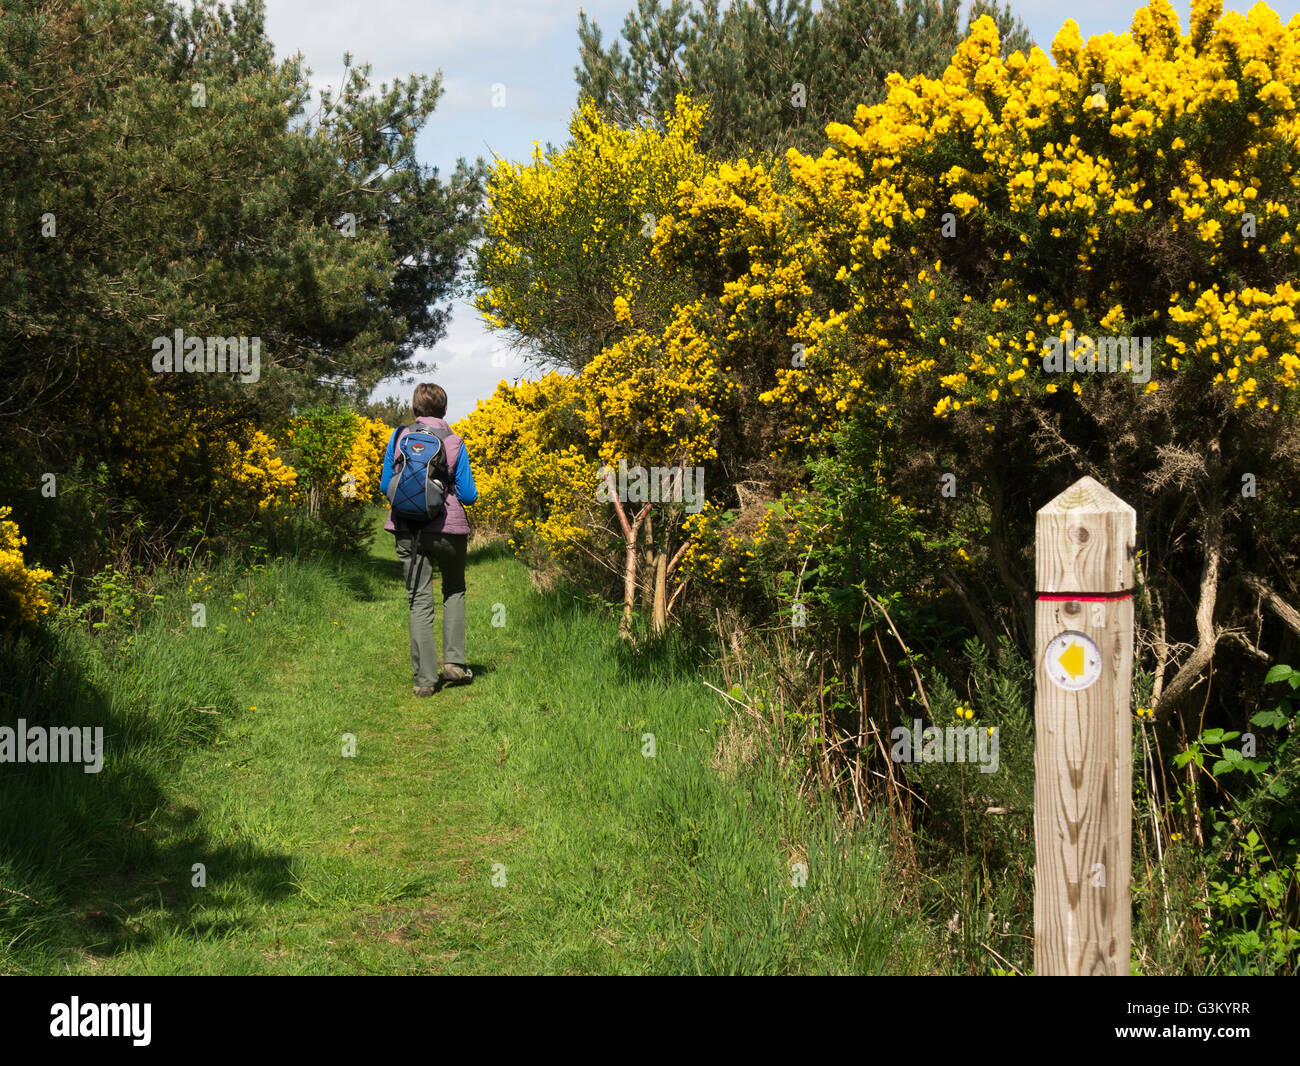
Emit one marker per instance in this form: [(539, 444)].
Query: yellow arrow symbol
[(1072, 660)]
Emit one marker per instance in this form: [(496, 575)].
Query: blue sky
[(529, 46)]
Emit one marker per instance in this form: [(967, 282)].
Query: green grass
[(609, 861)]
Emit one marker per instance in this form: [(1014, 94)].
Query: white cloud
[(464, 364)]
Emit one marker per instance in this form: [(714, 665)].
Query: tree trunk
[(660, 611), (631, 533), (648, 563)]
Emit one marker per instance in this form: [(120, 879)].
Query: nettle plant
[(1252, 853)]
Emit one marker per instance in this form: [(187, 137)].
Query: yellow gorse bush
[(567, 260), (571, 264), (653, 399), (253, 476), (949, 232), (363, 462), (1133, 186), (22, 600), (536, 485), (719, 556), (340, 454)]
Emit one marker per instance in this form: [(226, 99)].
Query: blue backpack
[(421, 480)]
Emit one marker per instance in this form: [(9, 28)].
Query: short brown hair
[(430, 401)]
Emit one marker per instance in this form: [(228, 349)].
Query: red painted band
[(1102, 597)]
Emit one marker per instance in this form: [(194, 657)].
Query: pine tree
[(160, 172)]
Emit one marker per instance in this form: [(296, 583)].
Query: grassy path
[(514, 825)]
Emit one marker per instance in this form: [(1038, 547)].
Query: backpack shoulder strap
[(397, 433), (442, 435)]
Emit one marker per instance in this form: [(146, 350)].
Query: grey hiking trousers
[(446, 551)]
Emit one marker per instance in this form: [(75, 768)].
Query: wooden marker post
[(1083, 755)]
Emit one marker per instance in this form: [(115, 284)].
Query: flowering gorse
[(972, 217), (22, 601), (254, 478)]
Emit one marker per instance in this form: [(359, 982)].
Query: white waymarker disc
[(1072, 661)]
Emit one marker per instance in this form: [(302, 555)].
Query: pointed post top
[(1085, 541), (1087, 496)]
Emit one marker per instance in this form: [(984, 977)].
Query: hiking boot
[(455, 674), (424, 690)]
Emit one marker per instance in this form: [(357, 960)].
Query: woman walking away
[(428, 481)]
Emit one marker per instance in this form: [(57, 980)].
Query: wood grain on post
[(1083, 755)]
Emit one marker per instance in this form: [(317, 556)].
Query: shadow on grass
[(487, 551), (99, 861), (645, 657), (670, 657), (372, 578), (131, 909)]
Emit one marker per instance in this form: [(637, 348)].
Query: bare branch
[(1207, 636), (1273, 601)]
